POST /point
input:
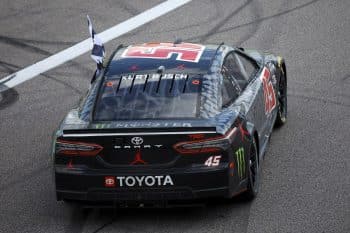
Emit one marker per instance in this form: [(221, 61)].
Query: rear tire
[(253, 173), (282, 101)]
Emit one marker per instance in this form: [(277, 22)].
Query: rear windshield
[(149, 96)]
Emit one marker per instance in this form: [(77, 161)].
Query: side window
[(248, 68), (235, 70), (230, 90)]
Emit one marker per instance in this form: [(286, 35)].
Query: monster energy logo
[(240, 161)]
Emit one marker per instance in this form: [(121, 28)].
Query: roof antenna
[(177, 41), (160, 70)]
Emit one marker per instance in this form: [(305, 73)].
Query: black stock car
[(168, 121)]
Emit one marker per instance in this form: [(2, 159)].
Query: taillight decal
[(73, 148), (196, 136), (208, 145)]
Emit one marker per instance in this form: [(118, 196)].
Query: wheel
[(253, 173), (282, 101)]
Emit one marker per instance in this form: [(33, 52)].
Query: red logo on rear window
[(185, 51)]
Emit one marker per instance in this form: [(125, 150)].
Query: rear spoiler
[(138, 131)]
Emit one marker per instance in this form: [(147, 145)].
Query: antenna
[(177, 41), (160, 70)]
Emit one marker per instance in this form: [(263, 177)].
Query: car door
[(245, 72), (259, 96)]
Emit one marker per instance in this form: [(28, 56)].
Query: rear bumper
[(115, 195), (188, 184)]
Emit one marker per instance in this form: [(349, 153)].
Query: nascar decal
[(138, 181), (269, 92), (240, 161), (185, 51)]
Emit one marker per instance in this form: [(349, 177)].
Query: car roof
[(147, 58)]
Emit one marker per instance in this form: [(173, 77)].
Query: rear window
[(149, 96)]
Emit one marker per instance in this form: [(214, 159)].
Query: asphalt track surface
[(306, 180)]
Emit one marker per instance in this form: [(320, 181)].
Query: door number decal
[(213, 161), (269, 92)]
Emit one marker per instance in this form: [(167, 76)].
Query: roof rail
[(106, 64)]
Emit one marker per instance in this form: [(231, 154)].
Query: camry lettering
[(138, 147), (149, 181)]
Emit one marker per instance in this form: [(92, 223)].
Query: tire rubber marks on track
[(84, 46)]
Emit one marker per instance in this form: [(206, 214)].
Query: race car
[(167, 122)]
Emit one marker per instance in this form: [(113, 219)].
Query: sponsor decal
[(101, 126), (240, 162), (140, 181), (133, 68), (185, 51), (109, 181), (137, 140), (269, 92), (109, 84), (181, 67), (149, 124), (196, 82), (213, 161), (138, 146), (138, 159)]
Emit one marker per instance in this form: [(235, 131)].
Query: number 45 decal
[(269, 92), (213, 161)]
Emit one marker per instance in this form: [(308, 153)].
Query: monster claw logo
[(240, 161)]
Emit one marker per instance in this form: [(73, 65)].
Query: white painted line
[(86, 45)]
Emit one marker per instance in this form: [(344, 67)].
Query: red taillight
[(208, 145), (71, 148)]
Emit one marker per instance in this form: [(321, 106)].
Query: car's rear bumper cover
[(188, 184)]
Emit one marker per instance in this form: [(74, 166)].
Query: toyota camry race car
[(165, 122)]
